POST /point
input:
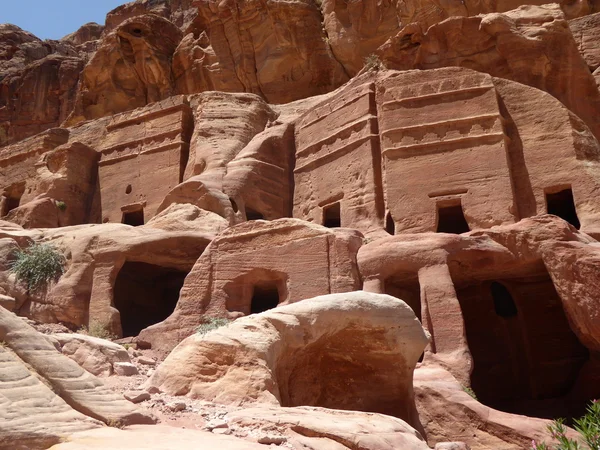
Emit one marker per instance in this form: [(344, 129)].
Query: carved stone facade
[(143, 157), (338, 162), (448, 150)]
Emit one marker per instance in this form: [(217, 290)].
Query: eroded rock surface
[(336, 351), (250, 270)]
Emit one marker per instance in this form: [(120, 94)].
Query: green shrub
[(212, 324), (62, 206), (372, 62), (470, 391), (96, 329), (38, 265), (587, 426)]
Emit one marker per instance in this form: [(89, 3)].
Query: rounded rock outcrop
[(351, 351)]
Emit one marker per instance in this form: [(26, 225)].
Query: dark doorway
[(254, 215), (9, 204), (561, 204), (451, 219), (12, 198), (145, 294), (332, 215), (525, 355), (264, 297), (504, 305), (134, 218), (390, 225)]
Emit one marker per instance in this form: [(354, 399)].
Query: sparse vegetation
[(212, 324), (38, 265), (587, 426), (115, 424), (62, 206), (470, 391), (372, 62), (96, 329)]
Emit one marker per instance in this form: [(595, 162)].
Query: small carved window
[(134, 218), (332, 215), (451, 219)]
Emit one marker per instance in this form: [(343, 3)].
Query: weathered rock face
[(97, 356), (586, 31), (110, 269), (131, 68), (394, 149), (355, 30), (354, 351), (88, 32), (480, 296), (448, 412), (248, 269), (32, 413), (548, 57), (38, 82), (276, 49)]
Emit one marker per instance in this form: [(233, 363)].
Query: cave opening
[(332, 215), (265, 296), (10, 203), (146, 294), (526, 357), (134, 218), (390, 225), (562, 204), (252, 214), (12, 198), (451, 219)]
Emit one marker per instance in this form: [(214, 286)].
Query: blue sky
[(53, 19)]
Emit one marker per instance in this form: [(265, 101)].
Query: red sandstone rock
[(249, 268), (38, 82), (278, 50), (131, 68), (480, 297), (532, 45), (353, 351)]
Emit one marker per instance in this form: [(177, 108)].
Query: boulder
[(353, 351), (97, 356), (187, 217)]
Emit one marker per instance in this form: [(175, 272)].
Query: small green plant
[(38, 265), (115, 424), (372, 62), (96, 329), (470, 391), (587, 426), (212, 323), (62, 206), (3, 344)]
